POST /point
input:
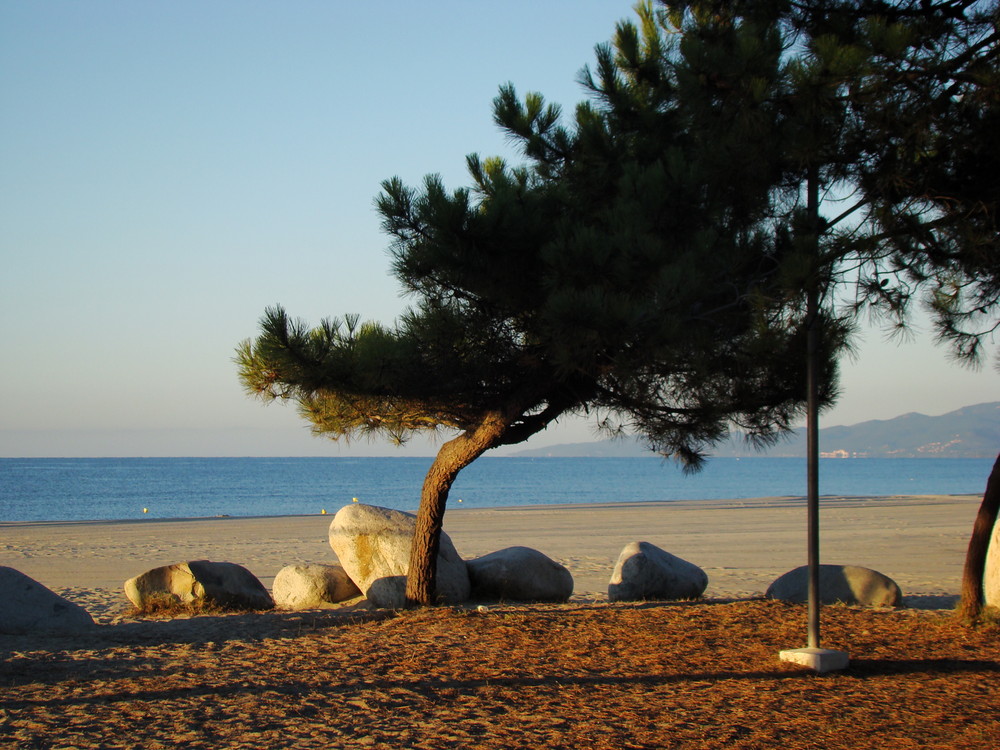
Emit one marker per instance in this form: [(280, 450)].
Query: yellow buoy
[(355, 499), (145, 510), (323, 512)]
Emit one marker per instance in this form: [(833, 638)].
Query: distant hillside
[(970, 432)]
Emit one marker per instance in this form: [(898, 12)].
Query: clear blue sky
[(168, 170)]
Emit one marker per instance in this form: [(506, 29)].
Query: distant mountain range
[(970, 432)]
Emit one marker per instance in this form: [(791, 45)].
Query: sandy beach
[(919, 541), (587, 673)]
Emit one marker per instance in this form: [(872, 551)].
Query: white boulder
[(312, 586), (29, 607), (644, 571), (991, 573), (848, 584), (373, 545), (519, 574), (221, 584)]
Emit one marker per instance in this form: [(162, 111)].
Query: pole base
[(818, 659)]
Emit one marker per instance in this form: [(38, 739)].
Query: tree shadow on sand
[(435, 688)]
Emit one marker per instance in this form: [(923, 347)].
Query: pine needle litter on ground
[(658, 675)]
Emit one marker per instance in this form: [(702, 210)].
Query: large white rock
[(373, 545), (221, 584), (29, 607), (519, 574), (991, 574), (312, 586), (849, 584), (644, 571)]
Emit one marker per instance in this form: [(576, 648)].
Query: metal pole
[(812, 424), (820, 659), (812, 470)]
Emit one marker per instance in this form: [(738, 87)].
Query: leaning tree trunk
[(975, 557), (454, 456)]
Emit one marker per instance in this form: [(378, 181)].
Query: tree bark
[(454, 456), (975, 557)]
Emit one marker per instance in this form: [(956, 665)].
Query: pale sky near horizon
[(168, 170)]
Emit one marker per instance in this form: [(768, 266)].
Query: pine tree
[(632, 268), (745, 178), (913, 95), (925, 158)]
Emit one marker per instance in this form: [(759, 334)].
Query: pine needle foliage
[(910, 94), (629, 267)]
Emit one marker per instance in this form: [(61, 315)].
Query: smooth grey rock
[(991, 572), (221, 584), (373, 545), (519, 574), (29, 607), (644, 571), (848, 584), (312, 586)]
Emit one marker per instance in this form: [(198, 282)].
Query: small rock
[(644, 571), (519, 574), (373, 545), (848, 584), (312, 586), (222, 584), (29, 607)]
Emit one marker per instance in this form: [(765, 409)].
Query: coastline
[(743, 545)]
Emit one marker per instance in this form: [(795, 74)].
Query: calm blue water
[(55, 489)]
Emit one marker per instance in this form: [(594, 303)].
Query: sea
[(83, 489)]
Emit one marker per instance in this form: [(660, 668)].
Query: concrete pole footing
[(818, 659)]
